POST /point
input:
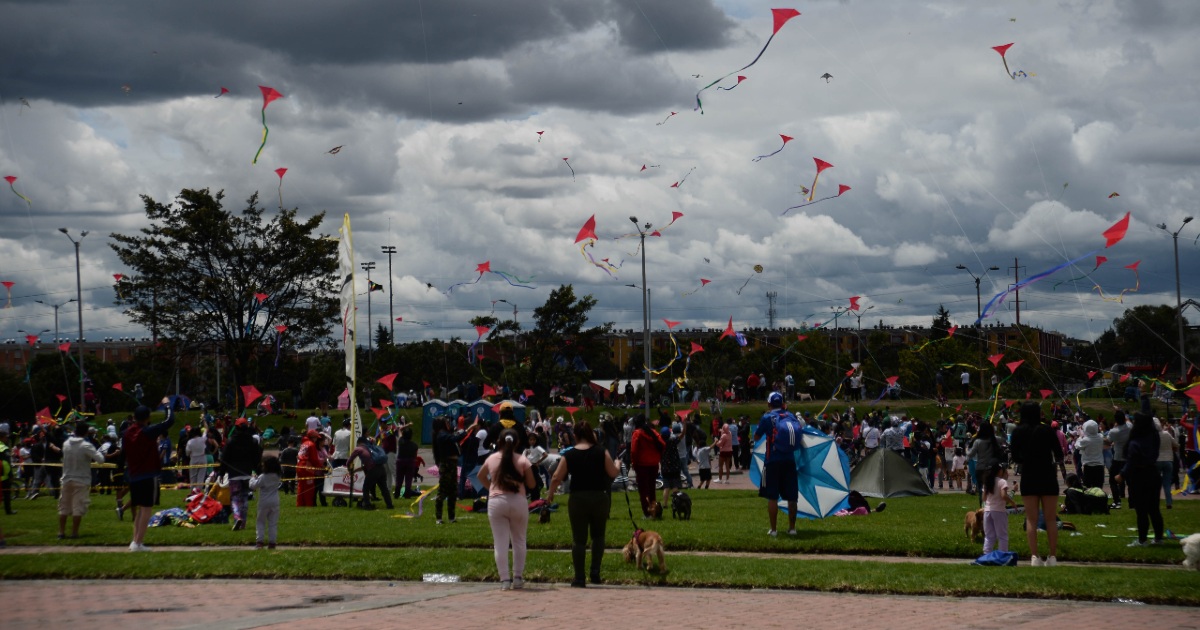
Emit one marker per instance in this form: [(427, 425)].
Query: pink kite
[(786, 139), (995, 359), (779, 17), (280, 172), (953, 329), (12, 178), (683, 413), (1003, 50), (250, 394), (739, 82), (1045, 393), (670, 324), (1012, 367), (729, 331), (703, 283), (31, 339), (268, 94), (119, 387), (1114, 234), (891, 380), (801, 337), (388, 379), (8, 285), (854, 302)]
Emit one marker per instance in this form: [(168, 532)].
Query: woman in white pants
[(507, 474)]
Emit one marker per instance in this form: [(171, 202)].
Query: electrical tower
[(771, 295)]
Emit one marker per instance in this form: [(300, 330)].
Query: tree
[(559, 338), (940, 328), (1145, 334), (197, 269)]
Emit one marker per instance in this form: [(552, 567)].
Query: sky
[(437, 107)]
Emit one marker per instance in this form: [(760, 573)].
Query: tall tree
[(940, 327), (200, 274), (559, 338)]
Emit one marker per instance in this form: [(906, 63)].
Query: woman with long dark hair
[(1036, 449), (646, 454), (507, 474), (592, 470), (985, 451), (1142, 477), (445, 453)]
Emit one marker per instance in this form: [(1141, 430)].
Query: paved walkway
[(299, 605)]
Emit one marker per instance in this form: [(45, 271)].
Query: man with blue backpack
[(780, 479)]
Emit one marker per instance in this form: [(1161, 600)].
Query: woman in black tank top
[(592, 470)]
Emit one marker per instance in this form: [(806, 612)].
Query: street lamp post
[(389, 250), (1178, 296), (979, 312), (837, 346), (858, 338), (29, 367), (55, 307), (642, 229), (367, 267), (78, 298)]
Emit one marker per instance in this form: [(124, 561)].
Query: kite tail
[(809, 203), (760, 158), (1121, 296), (1006, 70), (812, 190), (998, 299), (264, 140), (677, 356), (728, 89), (460, 284), (280, 191), (700, 106), (572, 170), (278, 345), (739, 291), (10, 186), (518, 282), (609, 269), (831, 398)]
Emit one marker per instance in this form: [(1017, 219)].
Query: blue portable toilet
[(430, 410)]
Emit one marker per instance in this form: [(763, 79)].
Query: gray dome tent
[(884, 474)]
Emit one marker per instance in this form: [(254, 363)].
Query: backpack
[(997, 559), (378, 456), (787, 435)]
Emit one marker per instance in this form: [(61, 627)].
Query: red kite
[(261, 297), (739, 82), (565, 161), (664, 121), (8, 285), (540, 135), (821, 166), (64, 347), (1092, 374), (388, 380), (1003, 50), (571, 411), (1012, 367), (1045, 393), (696, 348), (1114, 234), (703, 282), (854, 302), (12, 178), (250, 394), (268, 94), (891, 380), (488, 390), (588, 230), (31, 339), (280, 172), (684, 179), (1114, 194), (44, 417), (786, 139), (683, 414), (385, 403), (224, 91), (995, 359), (779, 17), (801, 337), (729, 332), (670, 324), (119, 387)]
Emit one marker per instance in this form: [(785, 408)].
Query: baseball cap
[(775, 399)]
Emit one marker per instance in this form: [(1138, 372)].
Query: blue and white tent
[(824, 474)]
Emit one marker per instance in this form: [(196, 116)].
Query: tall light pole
[(858, 339), (78, 298), (55, 307), (389, 250), (837, 346), (1178, 295), (642, 229), (29, 365), (367, 267), (979, 312)]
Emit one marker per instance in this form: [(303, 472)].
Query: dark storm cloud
[(82, 53)]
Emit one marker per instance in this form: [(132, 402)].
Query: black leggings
[(447, 487), (1144, 486), (588, 511)]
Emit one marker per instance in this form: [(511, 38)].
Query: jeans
[(588, 511), (508, 514), (374, 479), (683, 465), (1167, 470)]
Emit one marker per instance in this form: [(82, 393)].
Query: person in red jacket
[(142, 468), (646, 454), (309, 466)]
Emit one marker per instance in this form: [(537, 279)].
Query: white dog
[(1191, 551), (804, 396)]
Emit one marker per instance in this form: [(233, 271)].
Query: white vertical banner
[(349, 319)]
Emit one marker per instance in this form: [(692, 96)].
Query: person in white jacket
[(77, 457)]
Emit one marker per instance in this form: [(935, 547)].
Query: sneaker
[(518, 583), (772, 533), (1115, 506), (1051, 561), (791, 532), (61, 536), (34, 495), (1156, 541), (506, 585), (1137, 543), (258, 545), (453, 521), (439, 521), (271, 546), (1036, 562), (133, 546)]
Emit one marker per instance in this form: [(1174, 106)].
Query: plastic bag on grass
[(997, 559)]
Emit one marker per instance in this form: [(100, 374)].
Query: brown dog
[(973, 525), (645, 546), (656, 511)]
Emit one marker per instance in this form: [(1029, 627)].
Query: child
[(537, 458), (267, 486), (703, 456), (958, 467), (994, 485)]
